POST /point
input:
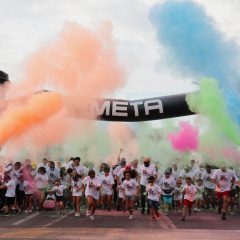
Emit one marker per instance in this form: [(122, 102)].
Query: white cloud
[(27, 24)]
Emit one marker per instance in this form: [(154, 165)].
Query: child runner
[(58, 189), (209, 187), (107, 184), (177, 196), (69, 176), (10, 194), (189, 192), (77, 188), (20, 195), (41, 181), (199, 195), (29, 189), (153, 196), (167, 184), (92, 186), (130, 186)]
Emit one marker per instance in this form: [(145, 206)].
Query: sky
[(27, 24)]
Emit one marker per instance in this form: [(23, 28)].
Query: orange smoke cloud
[(17, 120), (80, 65)]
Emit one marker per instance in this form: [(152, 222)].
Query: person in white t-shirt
[(28, 185), (58, 189), (233, 192), (153, 196), (107, 184), (209, 188), (145, 171), (186, 172), (10, 195), (53, 173), (178, 196), (41, 183), (92, 185), (44, 164), (199, 195), (224, 179), (175, 171), (130, 186), (77, 167), (189, 192), (167, 184), (77, 189), (135, 166), (118, 172)]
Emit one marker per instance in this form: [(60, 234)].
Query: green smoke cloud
[(210, 103)]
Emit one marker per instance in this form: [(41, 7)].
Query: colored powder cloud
[(79, 64), (186, 139), (37, 109), (210, 102), (194, 42), (196, 46)]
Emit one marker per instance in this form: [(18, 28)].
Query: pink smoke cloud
[(186, 139)]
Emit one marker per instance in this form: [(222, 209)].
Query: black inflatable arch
[(143, 109), (136, 110)]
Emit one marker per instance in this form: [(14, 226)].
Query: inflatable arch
[(136, 110)]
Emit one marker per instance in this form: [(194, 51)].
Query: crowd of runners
[(126, 186)]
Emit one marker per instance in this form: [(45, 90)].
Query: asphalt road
[(116, 225)]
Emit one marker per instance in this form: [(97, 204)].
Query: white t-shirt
[(146, 172), (185, 174), (28, 187), (130, 187), (79, 169), (107, 182), (91, 186), (120, 173), (41, 181), (167, 185), (136, 169), (59, 190), (236, 179), (177, 193), (15, 175), (51, 197), (11, 188), (77, 187), (53, 174), (116, 170), (223, 180), (199, 194), (207, 180), (42, 165), (153, 192), (196, 172), (69, 165), (175, 174), (190, 192)]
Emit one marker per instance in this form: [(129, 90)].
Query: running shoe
[(88, 213), (131, 217)]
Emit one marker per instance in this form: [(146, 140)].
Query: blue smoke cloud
[(196, 46), (232, 98)]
